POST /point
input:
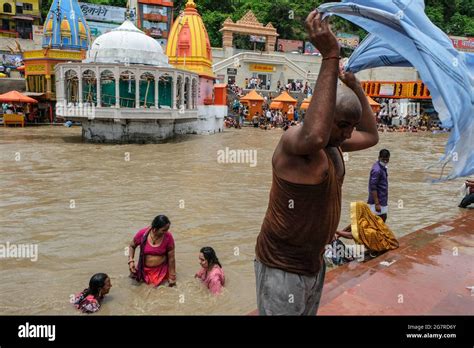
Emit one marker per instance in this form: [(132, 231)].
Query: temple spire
[(191, 4)]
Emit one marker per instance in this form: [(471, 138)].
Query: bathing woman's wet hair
[(210, 256), (159, 222), (96, 283)]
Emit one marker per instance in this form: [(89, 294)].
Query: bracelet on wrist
[(129, 262), (332, 57)]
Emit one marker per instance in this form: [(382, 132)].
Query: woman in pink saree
[(156, 263)]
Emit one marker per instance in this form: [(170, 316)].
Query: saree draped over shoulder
[(152, 275)]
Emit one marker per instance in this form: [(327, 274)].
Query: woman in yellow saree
[(368, 229)]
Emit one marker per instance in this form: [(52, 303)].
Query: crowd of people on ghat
[(257, 83), (270, 119), (413, 123)]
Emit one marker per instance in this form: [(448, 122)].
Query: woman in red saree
[(156, 263)]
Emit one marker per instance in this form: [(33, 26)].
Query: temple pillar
[(60, 96), (117, 93), (227, 38), (181, 105), (270, 45), (137, 91), (195, 94), (175, 85), (48, 85), (157, 79), (99, 95), (79, 73), (189, 94)]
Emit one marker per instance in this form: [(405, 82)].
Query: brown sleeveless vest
[(300, 221)]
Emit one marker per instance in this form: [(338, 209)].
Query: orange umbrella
[(16, 97)]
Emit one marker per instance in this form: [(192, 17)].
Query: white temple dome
[(126, 44)]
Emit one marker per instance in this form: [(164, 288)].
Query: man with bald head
[(305, 198)]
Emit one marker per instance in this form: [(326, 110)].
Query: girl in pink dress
[(211, 272), (88, 301)]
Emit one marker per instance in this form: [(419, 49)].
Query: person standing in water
[(378, 186), (89, 300), (305, 197), (156, 263), (211, 272)]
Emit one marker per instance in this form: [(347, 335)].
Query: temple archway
[(248, 25), (127, 89), (107, 88), (180, 92), (71, 81), (147, 90), (165, 90), (89, 87)]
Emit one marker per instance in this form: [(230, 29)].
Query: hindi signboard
[(38, 33), (103, 13), (262, 68)]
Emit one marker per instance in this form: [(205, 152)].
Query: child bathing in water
[(211, 272), (89, 300)]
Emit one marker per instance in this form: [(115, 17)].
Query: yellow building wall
[(13, 5), (36, 7), (34, 12)]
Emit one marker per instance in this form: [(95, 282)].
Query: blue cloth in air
[(402, 35)]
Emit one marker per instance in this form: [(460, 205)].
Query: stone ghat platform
[(429, 274)]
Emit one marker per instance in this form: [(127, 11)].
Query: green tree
[(45, 6), (213, 22), (436, 14), (285, 12)]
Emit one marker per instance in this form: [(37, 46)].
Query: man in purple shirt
[(378, 185)]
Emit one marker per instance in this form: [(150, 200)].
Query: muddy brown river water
[(82, 203)]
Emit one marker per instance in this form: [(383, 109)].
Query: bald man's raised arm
[(316, 129), (315, 132), (366, 134)]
